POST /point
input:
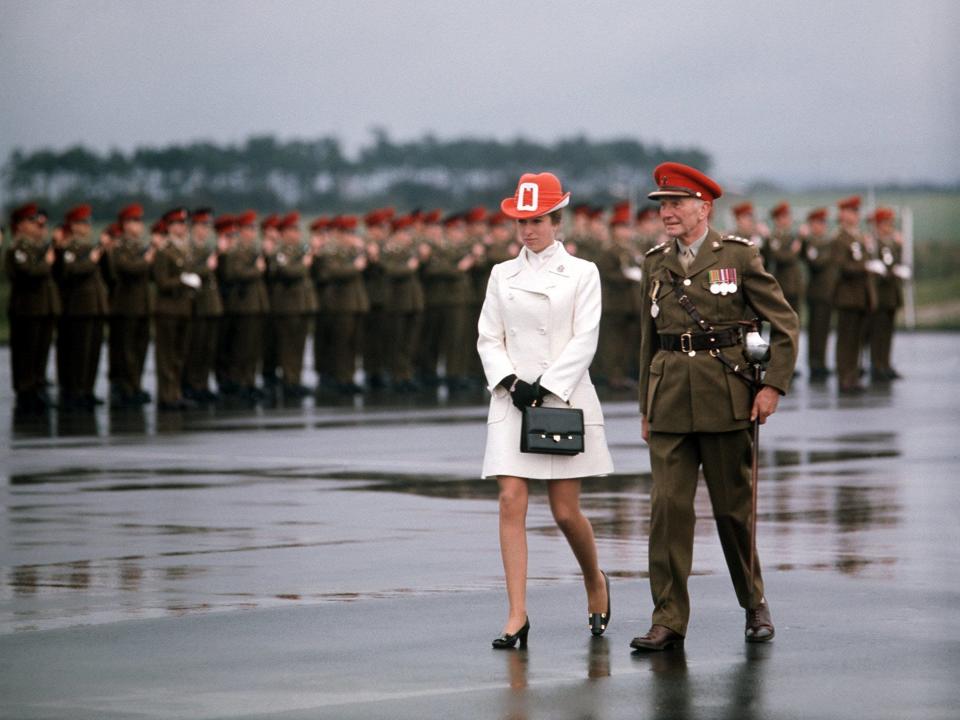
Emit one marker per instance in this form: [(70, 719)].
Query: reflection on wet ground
[(134, 516)]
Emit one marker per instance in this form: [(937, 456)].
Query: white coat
[(542, 323)]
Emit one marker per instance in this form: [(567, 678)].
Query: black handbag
[(551, 431)]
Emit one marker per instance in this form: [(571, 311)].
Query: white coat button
[(513, 331), (510, 296), (544, 363), (542, 330)]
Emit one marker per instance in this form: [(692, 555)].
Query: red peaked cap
[(288, 221), (781, 208), (621, 214), (536, 195), (24, 212), (678, 180), (850, 203), (744, 208), (133, 211), (817, 214), (80, 213), (883, 214)]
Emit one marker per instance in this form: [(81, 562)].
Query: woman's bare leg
[(514, 497), (565, 505)]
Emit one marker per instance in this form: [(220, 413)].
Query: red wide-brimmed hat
[(678, 180), (536, 195)]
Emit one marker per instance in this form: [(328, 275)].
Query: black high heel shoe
[(599, 621), (507, 640)]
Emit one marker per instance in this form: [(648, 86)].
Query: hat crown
[(536, 194)]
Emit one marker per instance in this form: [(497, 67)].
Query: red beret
[(288, 221), (114, 230), (453, 219), (646, 212), (401, 222), (80, 213), (24, 212), (621, 214), (270, 221), (497, 218), (678, 180), (432, 217), (883, 214), (201, 216), (744, 208), (536, 195), (850, 203), (177, 215), (345, 222), (130, 212), (476, 215), (159, 227), (380, 216), (320, 224), (780, 208), (247, 217), (817, 214), (225, 224), (581, 209)]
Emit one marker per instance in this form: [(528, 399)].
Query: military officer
[(207, 307), (345, 298), (785, 250), (404, 301), (84, 297), (889, 251), (618, 275), (292, 303), (854, 295), (696, 406), (320, 246), (131, 262), (33, 307), (248, 304), (176, 285), (822, 277), (375, 349)]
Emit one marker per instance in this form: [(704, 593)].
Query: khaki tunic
[(854, 297)]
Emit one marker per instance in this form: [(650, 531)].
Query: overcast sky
[(805, 92)]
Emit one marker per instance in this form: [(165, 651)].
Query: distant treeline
[(317, 176)]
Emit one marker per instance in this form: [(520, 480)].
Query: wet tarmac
[(341, 560)]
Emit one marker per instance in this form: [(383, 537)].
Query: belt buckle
[(686, 342)]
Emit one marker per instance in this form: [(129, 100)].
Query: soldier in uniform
[(176, 285), (747, 227), (618, 274), (320, 246), (131, 261), (889, 249), (697, 407), (269, 359), (478, 239), (854, 295), (404, 302), (84, 298), (345, 298), (33, 308), (226, 229), (649, 228), (822, 278), (786, 253), (207, 307), (247, 303), (375, 348), (292, 303)]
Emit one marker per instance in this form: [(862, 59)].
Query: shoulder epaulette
[(736, 238), (656, 248)]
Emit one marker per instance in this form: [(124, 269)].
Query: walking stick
[(757, 352)]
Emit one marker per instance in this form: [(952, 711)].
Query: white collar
[(538, 260)]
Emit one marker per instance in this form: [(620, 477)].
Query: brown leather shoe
[(658, 637), (759, 624)]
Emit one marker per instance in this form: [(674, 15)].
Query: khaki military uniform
[(854, 297), (699, 410), (376, 352), (83, 295), (322, 321), (269, 338), (785, 253), (292, 305), (130, 310), (620, 310), (345, 299), (174, 307), (889, 300), (447, 293), (822, 276), (204, 326), (404, 303), (33, 309), (246, 303)]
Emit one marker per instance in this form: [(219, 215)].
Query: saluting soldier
[(478, 239), (248, 304), (320, 247), (889, 249), (649, 228), (292, 303), (345, 298), (697, 407), (854, 295), (822, 277), (269, 359), (84, 299), (404, 301), (745, 225), (131, 262), (176, 285), (375, 348), (34, 305), (785, 250), (207, 306), (577, 239), (226, 229)]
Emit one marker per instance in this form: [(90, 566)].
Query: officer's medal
[(856, 251), (723, 281), (654, 308)]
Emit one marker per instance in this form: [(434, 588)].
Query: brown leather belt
[(688, 342)]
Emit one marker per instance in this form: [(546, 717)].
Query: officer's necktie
[(686, 258)]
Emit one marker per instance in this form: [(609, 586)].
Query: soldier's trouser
[(881, 338), (818, 330), (30, 338), (675, 459), (129, 340), (246, 350), (453, 343), (78, 354), (347, 336), (172, 343), (323, 344), (428, 354), (291, 338), (404, 338), (613, 346), (224, 361), (851, 326), (270, 353), (202, 351), (375, 349)]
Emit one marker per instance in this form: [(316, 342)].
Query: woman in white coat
[(540, 320)]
